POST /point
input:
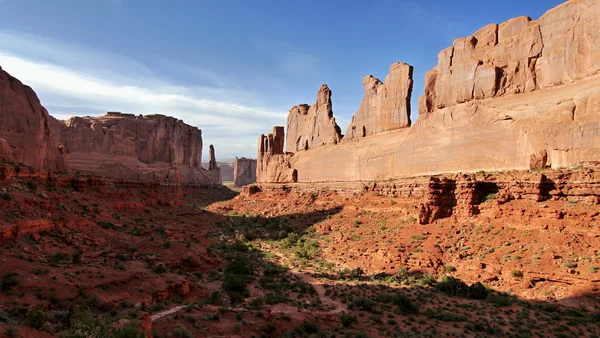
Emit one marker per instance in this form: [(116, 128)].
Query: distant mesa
[(244, 171)]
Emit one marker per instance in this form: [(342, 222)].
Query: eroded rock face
[(385, 106), (272, 164), (495, 101), (5, 154), (517, 56), (139, 147), (311, 126), (244, 171), (26, 125)]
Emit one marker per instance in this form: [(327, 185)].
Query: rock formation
[(518, 56), (5, 154), (520, 95), (226, 167), (244, 171), (385, 106), (26, 125), (312, 126), (127, 146), (273, 165)]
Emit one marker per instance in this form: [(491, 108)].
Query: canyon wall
[(244, 171), (126, 146), (25, 127), (385, 106), (520, 95)]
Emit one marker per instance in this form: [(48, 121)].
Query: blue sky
[(232, 68)]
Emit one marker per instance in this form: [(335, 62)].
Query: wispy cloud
[(75, 80)]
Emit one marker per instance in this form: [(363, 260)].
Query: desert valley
[(479, 219)]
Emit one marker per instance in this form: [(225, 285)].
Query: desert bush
[(36, 318), (348, 320), (453, 286), (181, 332), (306, 249), (9, 281), (308, 328), (478, 291)]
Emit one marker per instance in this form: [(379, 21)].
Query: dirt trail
[(165, 313), (336, 305)]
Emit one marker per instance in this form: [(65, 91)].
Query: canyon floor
[(88, 257)]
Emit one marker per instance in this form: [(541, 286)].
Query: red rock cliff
[(244, 171), (520, 95), (312, 126), (385, 106), (25, 126), (517, 56)]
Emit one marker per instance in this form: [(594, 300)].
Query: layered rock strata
[(244, 171), (126, 146)]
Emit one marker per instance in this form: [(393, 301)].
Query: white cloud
[(80, 81)]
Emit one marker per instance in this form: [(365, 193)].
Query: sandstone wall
[(244, 171), (385, 106), (25, 126), (272, 164), (125, 146), (311, 126), (517, 56), (520, 95)]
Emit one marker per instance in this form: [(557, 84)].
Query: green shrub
[(364, 304), (453, 286), (348, 320), (478, 291), (130, 330), (159, 269), (106, 225), (83, 325), (306, 249), (181, 332), (516, 273), (275, 298), (404, 304), (500, 299), (9, 281), (445, 316), (308, 328), (36, 318)]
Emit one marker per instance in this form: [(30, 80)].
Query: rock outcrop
[(520, 95), (385, 106), (517, 56), (26, 125), (126, 146), (272, 164), (311, 126), (244, 171), (5, 154)]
